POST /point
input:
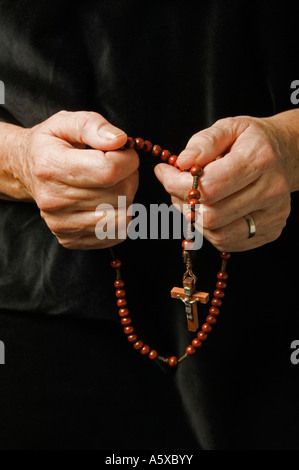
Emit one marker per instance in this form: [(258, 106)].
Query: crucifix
[(190, 298)]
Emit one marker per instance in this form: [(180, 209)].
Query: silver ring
[(251, 225)]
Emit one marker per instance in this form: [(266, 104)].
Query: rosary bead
[(130, 143), (156, 151), (147, 146), (221, 284), (138, 345), (187, 244), (121, 302), (216, 302), (190, 216), (193, 194), (115, 263), (219, 294), (139, 143), (125, 321), (132, 338), (206, 327), (225, 255), (196, 343), (145, 350), (193, 203), (128, 330), (190, 350), (172, 159), (196, 170), (202, 336), (222, 276), (211, 320), (119, 283), (153, 354), (120, 293), (173, 361), (165, 155), (123, 312), (214, 311)]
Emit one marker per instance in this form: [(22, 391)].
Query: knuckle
[(220, 239), (108, 174), (46, 203), (209, 218), (84, 117)]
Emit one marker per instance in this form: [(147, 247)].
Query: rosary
[(187, 294)]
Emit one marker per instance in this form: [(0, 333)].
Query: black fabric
[(71, 380)]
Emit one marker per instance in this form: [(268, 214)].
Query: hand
[(68, 181), (250, 167)]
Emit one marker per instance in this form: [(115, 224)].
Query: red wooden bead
[(126, 321), (214, 311), (216, 302), (211, 320), (145, 350), (138, 345), (196, 343), (120, 293), (219, 294), (139, 143), (123, 312), (222, 276), (153, 354), (172, 159), (173, 361), (121, 302), (147, 146), (190, 216), (187, 244), (206, 328), (193, 203), (128, 330), (193, 194), (115, 263), (130, 143), (221, 285), (119, 283), (132, 338), (196, 170), (202, 336), (156, 151), (190, 350), (165, 155), (225, 255)]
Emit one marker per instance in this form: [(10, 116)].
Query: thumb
[(87, 128), (210, 143)]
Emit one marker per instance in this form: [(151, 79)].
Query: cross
[(190, 297)]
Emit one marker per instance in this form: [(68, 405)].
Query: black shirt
[(71, 380)]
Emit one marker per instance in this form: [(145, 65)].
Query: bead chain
[(216, 302)]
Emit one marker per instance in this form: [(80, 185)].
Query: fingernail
[(109, 132)]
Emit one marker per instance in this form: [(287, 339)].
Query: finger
[(87, 128), (210, 143), (234, 236), (67, 199), (90, 168), (175, 182), (100, 224)]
